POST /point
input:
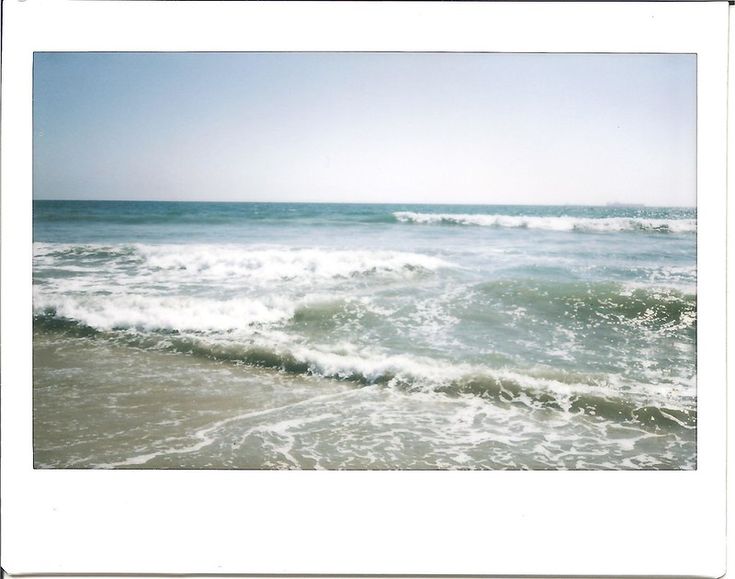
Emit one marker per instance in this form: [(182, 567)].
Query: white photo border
[(366, 522)]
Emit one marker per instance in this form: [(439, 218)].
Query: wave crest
[(259, 264), (601, 224), (593, 395), (171, 313)]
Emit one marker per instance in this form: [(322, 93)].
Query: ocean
[(363, 336)]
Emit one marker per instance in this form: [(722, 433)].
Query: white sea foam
[(256, 263), (551, 223), (279, 264), (235, 323), (347, 361), (180, 313)]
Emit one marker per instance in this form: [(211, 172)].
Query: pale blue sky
[(366, 127)]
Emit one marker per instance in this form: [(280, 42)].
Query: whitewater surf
[(338, 336)]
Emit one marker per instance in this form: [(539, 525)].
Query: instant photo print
[(364, 288)]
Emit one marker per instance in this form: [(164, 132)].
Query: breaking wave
[(594, 395), (260, 264), (602, 224), (171, 313)]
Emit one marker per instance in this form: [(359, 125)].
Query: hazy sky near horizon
[(366, 127)]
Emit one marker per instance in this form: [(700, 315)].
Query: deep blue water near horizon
[(365, 335), (53, 217)]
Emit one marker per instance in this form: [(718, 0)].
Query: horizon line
[(612, 204)]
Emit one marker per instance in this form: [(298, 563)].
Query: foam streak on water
[(363, 336)]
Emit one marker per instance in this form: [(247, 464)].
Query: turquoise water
[(431, 336)]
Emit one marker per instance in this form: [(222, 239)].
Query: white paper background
[(502, 523)]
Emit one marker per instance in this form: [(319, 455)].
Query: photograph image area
[(364, 261)]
